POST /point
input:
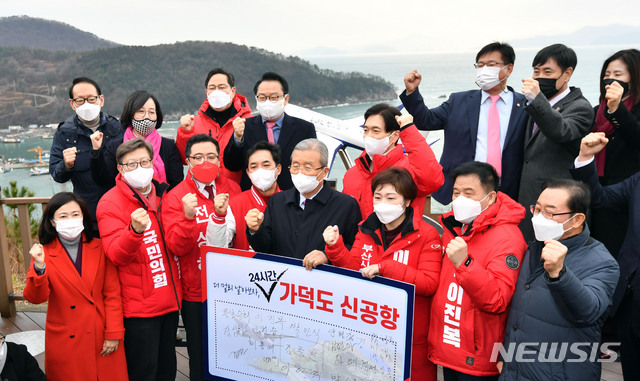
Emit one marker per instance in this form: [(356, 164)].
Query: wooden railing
[(7, 294)]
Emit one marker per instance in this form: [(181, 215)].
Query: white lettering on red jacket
[(366, 255), (156, 261), (401, 256), (451, 332)]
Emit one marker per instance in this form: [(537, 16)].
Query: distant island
[(35, 78)]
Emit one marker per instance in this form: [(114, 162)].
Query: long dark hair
[(631, 58), (134, 103), (47, 233)]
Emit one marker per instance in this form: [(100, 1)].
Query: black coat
[(72, 133), (20, 365), (104, 167), (293, 232), (293, 131), (622, 162)]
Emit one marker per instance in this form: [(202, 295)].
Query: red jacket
[(470, 308), (149, 276), (419, 161), (240, 205), (415, 257), (202, 124), (185, 236), (84, 310)]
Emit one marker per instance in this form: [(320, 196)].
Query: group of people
[(119, 258)]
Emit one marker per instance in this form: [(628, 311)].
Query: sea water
[(442, 74)]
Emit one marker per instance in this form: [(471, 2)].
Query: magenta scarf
[(602, 124), (156, 140)]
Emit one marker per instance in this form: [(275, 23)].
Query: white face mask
[(70, 228), (88, 111), (546, 229), (465, 209), (218, 99), (388, 213), (262, 178), (303, 183), (139, 178), (375, 146), (271, 110), (488, 77)]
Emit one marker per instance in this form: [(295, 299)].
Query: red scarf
[(602, 124)]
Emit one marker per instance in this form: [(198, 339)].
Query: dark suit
[(458, 117), (550, 150), (290, 231), (293, 131)]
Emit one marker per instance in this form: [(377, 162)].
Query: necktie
[(270, 136), (303, 203), (494, 153), (209, 189)]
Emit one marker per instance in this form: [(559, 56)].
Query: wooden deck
[(30, 321)]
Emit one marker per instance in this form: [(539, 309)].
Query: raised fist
[(254, 219), (186, 122)]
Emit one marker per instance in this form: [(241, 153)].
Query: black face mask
[(625, 85), (548, 86)]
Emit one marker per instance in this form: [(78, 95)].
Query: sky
[(295, 27)]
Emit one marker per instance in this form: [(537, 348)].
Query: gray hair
[(312, 144)]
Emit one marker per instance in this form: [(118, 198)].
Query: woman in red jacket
[(389, 244), (84, 330)]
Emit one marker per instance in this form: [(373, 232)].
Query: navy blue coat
[(569, 310), (458, 117), (293, 232), (72, 133), (293, 131), (620, 196)]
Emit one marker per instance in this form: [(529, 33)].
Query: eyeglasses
[(480, 65), (200, 158), (537, 210), (307, 169), (272, 97), (80, 101), (132, 165), (142, 113)]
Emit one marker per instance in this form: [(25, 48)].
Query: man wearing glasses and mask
[(563, 294), (484, 125), (293, 223), (71, 147), (201, 198), (272, 125)]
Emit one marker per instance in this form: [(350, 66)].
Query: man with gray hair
[(294, 220)]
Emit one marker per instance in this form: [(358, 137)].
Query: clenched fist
[(221, 203), (530, 88), (591, 145), (140, 220), (254, 219), (613, 95), (186, 122), (69, 156), (189, 204), (403, 120), (331, 235), (412, 81), (37, 253), (457, 251), (96, 140), (553, 255), (238, 128)]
